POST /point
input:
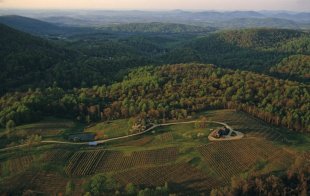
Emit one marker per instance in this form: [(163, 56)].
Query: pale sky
[(294, 5)]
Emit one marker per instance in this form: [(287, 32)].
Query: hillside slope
[(251, 49), (26, 59), (41, 28)]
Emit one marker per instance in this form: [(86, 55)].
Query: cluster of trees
[(294, 182), (106, 185), (168, 92)]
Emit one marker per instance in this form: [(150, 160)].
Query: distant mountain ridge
[(30, 25), (97, 18), (157, 27), (37, 27)]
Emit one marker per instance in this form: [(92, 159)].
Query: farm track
[(116, 138)]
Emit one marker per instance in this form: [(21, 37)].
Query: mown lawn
[(110, 129)]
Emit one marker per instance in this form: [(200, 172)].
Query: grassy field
[(178, 154), (49, 127), (110, 129)]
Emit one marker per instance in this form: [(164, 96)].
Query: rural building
[(82, 137), (220, 132)]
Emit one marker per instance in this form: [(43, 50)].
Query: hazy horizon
[(160, 5)]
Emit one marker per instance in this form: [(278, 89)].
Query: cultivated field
[(182, 175), (230, 158), (115, 160), (15, 165)]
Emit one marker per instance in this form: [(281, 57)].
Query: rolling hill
[(30, 25), (251, 49), (26, 59)]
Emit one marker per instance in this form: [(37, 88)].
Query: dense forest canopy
[(168, 92)]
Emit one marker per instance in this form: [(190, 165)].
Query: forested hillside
[(296, 66), (169, 92), (28, 60), (252, 49)]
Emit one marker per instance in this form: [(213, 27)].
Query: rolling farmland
[(187, 163)]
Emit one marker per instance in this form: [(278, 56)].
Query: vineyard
[(114, 161), (57, 156), (247, 124), (84, 163), (182, 175), (16, 165), (231, 158), (138, 142), (48, 183), (166, 137)]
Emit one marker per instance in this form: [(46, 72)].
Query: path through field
[(116, 138)]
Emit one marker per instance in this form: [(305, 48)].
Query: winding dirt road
[(96, 142)]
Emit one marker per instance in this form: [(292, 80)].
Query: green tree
[(69, 188), (97, 184), (10, 125), (131, 189)]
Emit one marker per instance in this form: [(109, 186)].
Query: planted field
[(20, 163), (247, 124), (181, 175), (138, 142), (231, 158), (84, 163), (166, 137), (57, 155), (46, 182), (15, 165), (114, 161)]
